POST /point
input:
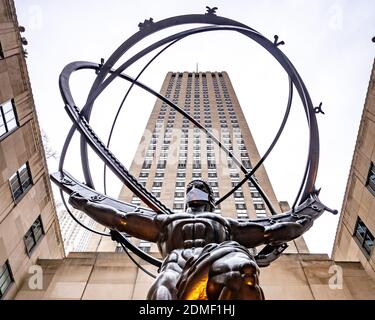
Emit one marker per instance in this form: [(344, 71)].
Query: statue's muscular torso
[(191, 231)]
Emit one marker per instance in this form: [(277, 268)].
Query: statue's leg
[(164, 287), (234, 277)]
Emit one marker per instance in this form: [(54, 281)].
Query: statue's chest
[(198, 232)]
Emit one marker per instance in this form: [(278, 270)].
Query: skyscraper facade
[(75, 237), (173, 151), (29, 228), (356, 229)]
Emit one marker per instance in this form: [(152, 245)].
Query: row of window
[(362, 234), (187, 124), (190, 75), (198, 85), (143, 245), (19, 183)]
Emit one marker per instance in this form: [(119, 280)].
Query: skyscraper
[(174, 151), (28, 223), (75, 237), (356, 229)]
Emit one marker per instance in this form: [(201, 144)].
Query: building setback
[(356, 230), (28, 223)]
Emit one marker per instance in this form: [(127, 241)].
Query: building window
[(213, 183), (240, 206), (145, 246), (33, 235), (20, 181), (1, 52), (371, 179), (238, 194), (259, 206), (211, 164), (162, 164), (156, 194), (6, 278), (157, 184), (246, 164), (136, 200), (261, 213), (197, 165), (196, 175), (147, 164), (364, 236), (8, 118), (242, 216), (255, 194), (181, 165), (234, 174), (178, 206), (179, 194)]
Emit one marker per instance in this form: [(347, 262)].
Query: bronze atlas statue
[(204, 255)]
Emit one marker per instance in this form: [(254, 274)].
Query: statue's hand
[(77, 201), (312, 208)]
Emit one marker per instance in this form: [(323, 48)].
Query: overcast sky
[(329, 43)]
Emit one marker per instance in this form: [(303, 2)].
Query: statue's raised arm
[(139, 224), (142, 223), (281, 228)]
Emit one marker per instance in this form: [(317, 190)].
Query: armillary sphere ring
[(106, 73)]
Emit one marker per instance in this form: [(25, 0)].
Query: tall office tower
[(75, 237), (173, 151), (28, 223), (356, 229)]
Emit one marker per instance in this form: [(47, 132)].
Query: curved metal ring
[(97, 88), (219, 23), (309, 186)]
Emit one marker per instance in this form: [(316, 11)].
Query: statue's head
[(199, 196)]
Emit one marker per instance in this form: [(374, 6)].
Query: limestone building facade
[(29, 228), (356, 230)]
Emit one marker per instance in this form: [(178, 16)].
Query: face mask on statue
[(196, 194), (196, 198)]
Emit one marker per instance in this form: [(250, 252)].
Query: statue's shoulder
[(214, 216), (168, 218)]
